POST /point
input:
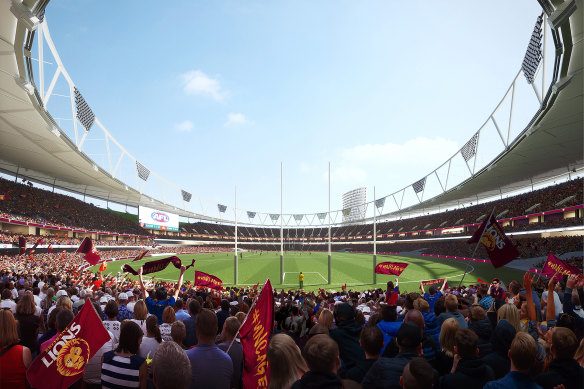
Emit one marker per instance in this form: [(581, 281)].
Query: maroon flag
[(21, 244), (86, 247), (391, 268), (140, 256), (554, 264), (63, 362), (208, 280), (500, 249), (40, 241), (157, 265), (255, 337), (50, 248)]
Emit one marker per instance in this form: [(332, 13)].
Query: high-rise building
[(354, 204)]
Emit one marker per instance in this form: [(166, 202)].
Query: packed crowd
[(9, 237), (30, 204), (525, 334)]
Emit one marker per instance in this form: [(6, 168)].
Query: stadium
[(85, 221)]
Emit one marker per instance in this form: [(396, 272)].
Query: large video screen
[(158, 220)]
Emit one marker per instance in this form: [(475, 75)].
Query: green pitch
[(351, 268)]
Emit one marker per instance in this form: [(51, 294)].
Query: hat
[(61, 292), (103, 300), (409, 336), (122, 296), (344, 312)]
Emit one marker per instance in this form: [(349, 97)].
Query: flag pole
[(281, 223), (475, 249)]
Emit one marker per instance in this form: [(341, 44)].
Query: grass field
[(353, 269)]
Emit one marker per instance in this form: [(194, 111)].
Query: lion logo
[(488, 240), (73, 357)]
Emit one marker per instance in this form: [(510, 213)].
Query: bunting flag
[(554, 264), (346, 211), (63, 362), (222, 208), (379, 203), (470, 148), (91, 255), (533, 54), (251, 215), (22, 244), (157, 265), (321, 215), (419, 185), (140, 256), (208, 281), (255, 337), (500, 249), (437, 281), (103, 266), (274, 216), (391, 268)]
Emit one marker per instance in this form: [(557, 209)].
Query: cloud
[(186, 126), (198, 83), (236, 119)]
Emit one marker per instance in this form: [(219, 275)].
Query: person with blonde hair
[(510, 313), (168, 317), (286, 363), (326, 318), (14, 358), (451, 305), (447, 342), (140, 314), (523, 354)]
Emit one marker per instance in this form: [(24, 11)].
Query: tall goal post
[(235, 263), (329, 226), (374, 238), (281, 223)]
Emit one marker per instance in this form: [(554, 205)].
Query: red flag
[(208, 280), (63, 362), (40, 241), (103, 266), (255, 336), (255, 287), (140, 256), (50, 248), (21, 244), (91, 255), (395, 268), (482, 282), (500, 249), (554, 264)]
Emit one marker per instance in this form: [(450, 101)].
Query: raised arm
[(422, 288), (142, 287), (527, 283), (443, 286), (180, 281), (551, 304)]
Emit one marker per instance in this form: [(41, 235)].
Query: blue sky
[(213, 94)]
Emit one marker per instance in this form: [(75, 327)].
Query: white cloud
[(198, 83), (186, 126), (236, 119)]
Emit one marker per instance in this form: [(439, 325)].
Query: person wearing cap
[(123, 311), (386, 372)]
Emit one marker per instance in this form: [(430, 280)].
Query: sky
[(216, 94)]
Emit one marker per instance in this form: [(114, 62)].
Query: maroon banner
[(554, 264), (255, 337), (140, 256), (500, 249), (208, 280), (434, 282), (21, 244), (50, 248), (63, 362), (392, 268), (157, 265)]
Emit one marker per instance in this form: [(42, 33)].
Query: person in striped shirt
[(122, 367)]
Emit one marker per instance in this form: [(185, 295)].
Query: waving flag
[(86, 247), (50, 248), (22, 244), (554, 264), (255, 337), (140, 256), (103, 266), (63, 362), (157, 265), (391, 268), (500, 249), (208, 280)]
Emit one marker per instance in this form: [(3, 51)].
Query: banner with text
[(391, 268), (207, 280)]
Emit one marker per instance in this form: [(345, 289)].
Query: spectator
[(168, 317), (152, 340), (485, 299), (210, 366), (347, 334), (178, 333), (286, 364), (499, 360), (92, 372), (140, 315), (510, 313), (326, 318), (223, 314), (417, 374), (389, 325), (156, 306), (180, 313), (111, 323), (480, 325), (191, 323), (447, 342), (64, 318), (431, 325), (321, 354), (232, 347), (467, 370), (563, 369), (433, 295), (14, 359), (28, 322), (171, 368), (385, 373), (51, 328), (371, 341), (7, 302), (496, 290), (122, 367), (451, 305), (522, 353), (123, 311)]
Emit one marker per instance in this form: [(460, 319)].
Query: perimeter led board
[(157, 220)]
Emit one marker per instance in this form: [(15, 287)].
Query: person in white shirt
[(151, 340), (7, 302)]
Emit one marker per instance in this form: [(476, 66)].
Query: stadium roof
[(31, 146)]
